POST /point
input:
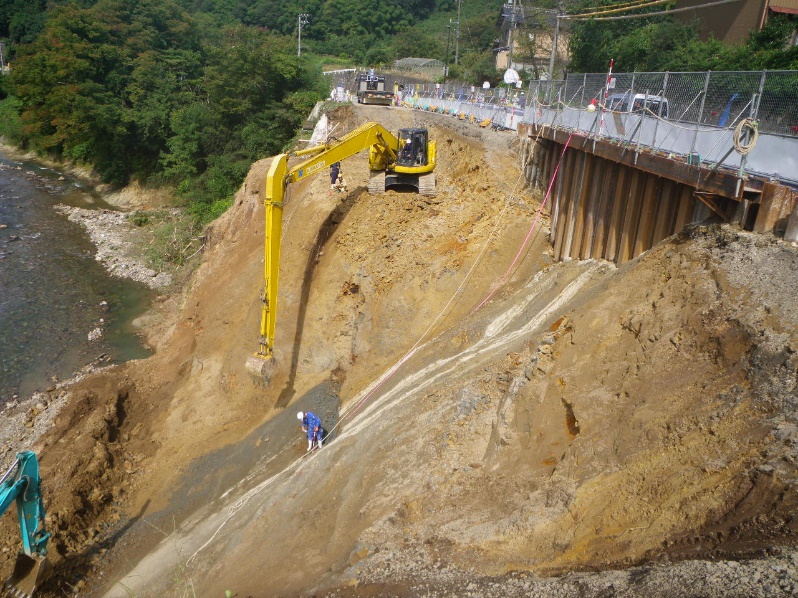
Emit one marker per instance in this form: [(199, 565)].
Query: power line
[(623, 7), (648, 14), (534, 11)]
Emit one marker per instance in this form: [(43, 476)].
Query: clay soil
[(501, 425)]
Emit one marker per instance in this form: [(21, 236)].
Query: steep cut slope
[(583, 417), (593, 418)]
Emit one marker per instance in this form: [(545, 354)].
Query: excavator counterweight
[(404, 161)]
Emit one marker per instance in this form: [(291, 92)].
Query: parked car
[(639, 102)]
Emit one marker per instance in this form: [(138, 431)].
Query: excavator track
[(376, 182), (426, 184)]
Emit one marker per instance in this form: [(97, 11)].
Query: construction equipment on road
[(21, 483), (394, 162), (371, 90)]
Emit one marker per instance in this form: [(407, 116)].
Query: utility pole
[(448, 40), (510, 37), (303, 20), (2, 58), (457, 34), (554, 40)]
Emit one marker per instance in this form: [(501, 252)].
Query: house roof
[(789, 7)]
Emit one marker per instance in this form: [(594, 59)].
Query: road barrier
[(742, 121)]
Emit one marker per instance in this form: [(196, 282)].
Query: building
[(731, 23)]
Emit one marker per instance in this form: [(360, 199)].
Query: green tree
[(651, 47), (255, 93), (96, 86), (21, 20), (10, 123)]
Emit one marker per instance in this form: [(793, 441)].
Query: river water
[(52, 291)]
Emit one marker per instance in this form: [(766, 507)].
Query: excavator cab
[(414, 148), (412, 168)]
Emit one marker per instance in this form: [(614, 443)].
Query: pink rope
[(402, 361), (531, 228), (394, 369)]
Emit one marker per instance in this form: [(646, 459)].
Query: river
[(52, 291)]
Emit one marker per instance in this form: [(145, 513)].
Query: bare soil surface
[(501, 425)]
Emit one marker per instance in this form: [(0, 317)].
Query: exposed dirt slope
[(583, 418)]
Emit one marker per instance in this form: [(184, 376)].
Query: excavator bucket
[(261, 368), (29, 573)]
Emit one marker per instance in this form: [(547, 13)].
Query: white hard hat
[(300, 415), (407, 141)]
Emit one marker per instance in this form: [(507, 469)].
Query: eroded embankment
[(593, 418), (585, 417)]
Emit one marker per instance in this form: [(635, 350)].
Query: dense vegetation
[(139, 88), (189, 93)]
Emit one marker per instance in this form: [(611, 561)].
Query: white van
[(639, 102)]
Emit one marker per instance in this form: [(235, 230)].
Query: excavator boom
[(364, 137), (383, 150)]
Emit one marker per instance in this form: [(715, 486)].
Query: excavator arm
[(382, 156), (21, 484), (370, 135)]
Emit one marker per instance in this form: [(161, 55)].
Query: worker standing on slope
[(311, 424), (340, 184), (334, 169)]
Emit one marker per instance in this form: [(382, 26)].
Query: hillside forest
[(186, 94)]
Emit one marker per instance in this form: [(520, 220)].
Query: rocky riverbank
[(120, 249), (25, 420), (119, 244)]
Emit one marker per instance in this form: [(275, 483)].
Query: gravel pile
[(772, 576)]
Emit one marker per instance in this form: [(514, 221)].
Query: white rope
[(750, 129), (440, 315), (241, 502), (727, 130)]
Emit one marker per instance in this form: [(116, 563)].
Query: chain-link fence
[(428, 68), (747, 121), (711, 98)]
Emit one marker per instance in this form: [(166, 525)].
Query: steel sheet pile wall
[(603, 209)]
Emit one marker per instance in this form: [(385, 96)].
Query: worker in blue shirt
[(311, 424)]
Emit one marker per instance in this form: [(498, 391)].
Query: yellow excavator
[(406, 161)]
